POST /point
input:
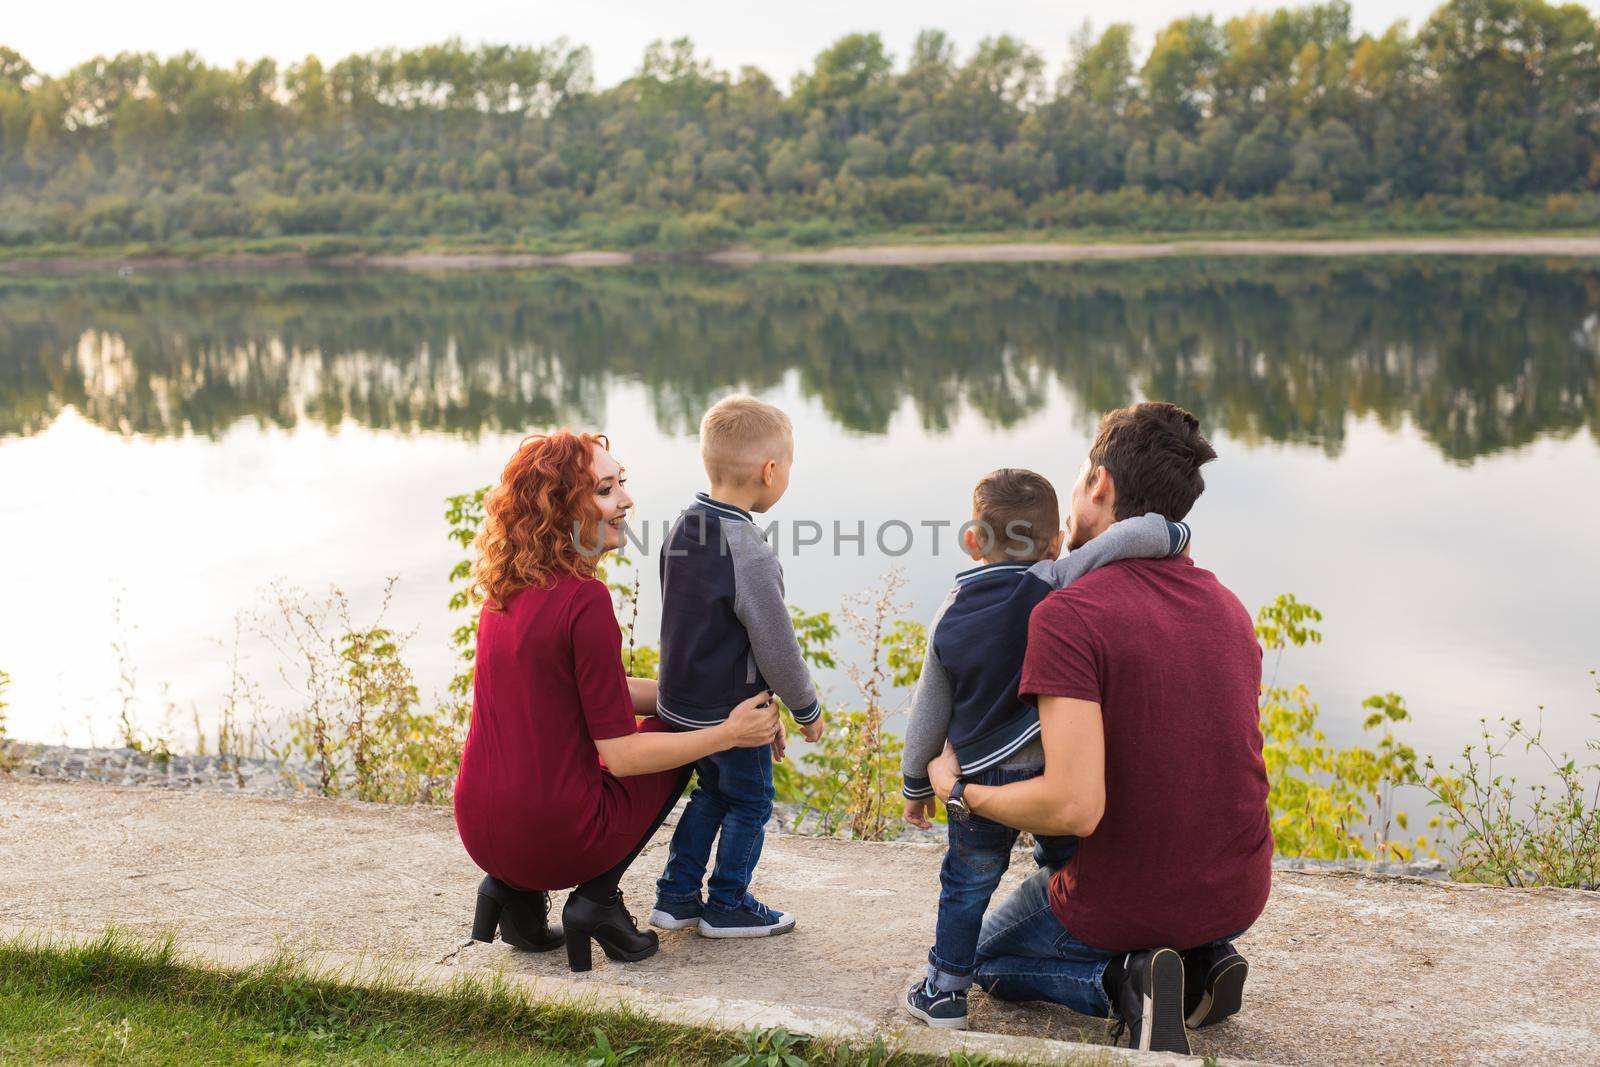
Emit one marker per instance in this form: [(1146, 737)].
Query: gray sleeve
[(758, 602), (929, 724), (1148, 536)]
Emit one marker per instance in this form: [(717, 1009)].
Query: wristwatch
[(955, 806)]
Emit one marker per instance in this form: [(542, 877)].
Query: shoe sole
[(707, 930), (624, 956), (1162, 1028), (936, 1023), (665, 921), (1224, 995), (522, 944)]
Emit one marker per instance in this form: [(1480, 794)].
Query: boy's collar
[(988, 570), (730, 510)]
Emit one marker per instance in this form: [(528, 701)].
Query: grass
[(119, 999)]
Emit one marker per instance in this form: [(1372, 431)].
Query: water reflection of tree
[(1480, 357)]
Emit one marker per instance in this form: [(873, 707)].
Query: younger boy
[(726, 636), (968, 695)]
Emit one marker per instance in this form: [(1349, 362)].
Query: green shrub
[(8, 755), (1329, 802), (696, 232), (1544, 835), (810, 234)]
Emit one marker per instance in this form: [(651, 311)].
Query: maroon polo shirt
[(1183, 854)]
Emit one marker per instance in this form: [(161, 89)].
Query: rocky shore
[(261, 777), (131, 766)]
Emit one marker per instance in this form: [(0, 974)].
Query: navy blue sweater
[(973, 665), (725, 629)]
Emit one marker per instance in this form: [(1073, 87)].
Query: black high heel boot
[(523, 917), (608, 923)]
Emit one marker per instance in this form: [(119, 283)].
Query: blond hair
[(738, 435)]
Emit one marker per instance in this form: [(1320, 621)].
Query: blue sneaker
[(946, 1010), (750, 919), (675, 915)]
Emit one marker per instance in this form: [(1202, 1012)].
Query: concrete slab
[(1345, 969)]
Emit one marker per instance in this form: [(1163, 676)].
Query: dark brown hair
[(1154, 452), (1020, 510)]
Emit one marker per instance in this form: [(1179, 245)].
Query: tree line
[(1487, 112)]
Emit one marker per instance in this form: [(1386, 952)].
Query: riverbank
[(1346, 969), (900, 253), (271, 778)]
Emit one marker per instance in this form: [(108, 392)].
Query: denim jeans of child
[(1024, 953), (979, 853), (734, 795)]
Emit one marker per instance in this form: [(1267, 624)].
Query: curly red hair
[(545, 496)]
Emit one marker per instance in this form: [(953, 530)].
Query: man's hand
[(944, 771), (812, 731), (920, 812)]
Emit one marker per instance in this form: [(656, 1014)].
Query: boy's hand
[(919, 813), (812, 731), (780, 742)]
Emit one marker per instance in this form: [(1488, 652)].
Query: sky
[(781, 39)]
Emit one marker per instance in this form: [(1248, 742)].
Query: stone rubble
[(261, 777), (129, 766)]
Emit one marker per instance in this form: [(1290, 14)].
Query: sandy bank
[(862, 256)]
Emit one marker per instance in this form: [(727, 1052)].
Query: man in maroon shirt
[(1146, 674)]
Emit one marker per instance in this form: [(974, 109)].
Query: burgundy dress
[(534, 805)]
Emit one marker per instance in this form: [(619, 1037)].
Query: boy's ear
[(769, 470), (971, 542), (1053, 550)]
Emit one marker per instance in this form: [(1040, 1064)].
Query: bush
[(811, 234), (1329, 802), (697, 232), (1546, 835), (631, 232), (8, 755)]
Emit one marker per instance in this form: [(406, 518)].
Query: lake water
[(1409, 445)]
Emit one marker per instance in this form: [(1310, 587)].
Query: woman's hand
[(944, 771), (753, 723)]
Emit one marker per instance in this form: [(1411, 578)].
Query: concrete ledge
[(722, 1013), (1345, 968)]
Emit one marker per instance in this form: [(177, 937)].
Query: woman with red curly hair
[(559, 785)]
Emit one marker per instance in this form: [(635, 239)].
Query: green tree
[(1260, 160)]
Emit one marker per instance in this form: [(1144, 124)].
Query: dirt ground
[(861, 255), (1345, 969), (1041, 252)]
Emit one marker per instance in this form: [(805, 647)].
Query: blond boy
[(726, 636)]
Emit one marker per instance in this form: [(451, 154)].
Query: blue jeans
[(1024, 953), (979, 853), (734, 796)]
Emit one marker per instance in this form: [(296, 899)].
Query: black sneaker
[(947, 1011), (1149, 1002), (1213, 983)]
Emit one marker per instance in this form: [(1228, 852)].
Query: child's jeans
[(734, 795), (979, 853)]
